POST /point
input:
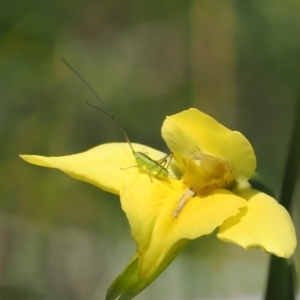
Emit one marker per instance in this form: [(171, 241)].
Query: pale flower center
[(208, 173), (203, 174)]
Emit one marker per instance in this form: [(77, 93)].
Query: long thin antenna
[(105, 110)]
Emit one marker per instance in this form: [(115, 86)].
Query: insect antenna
[(105, 110)]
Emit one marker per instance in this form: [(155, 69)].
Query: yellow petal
[(192, 132), (264, 223), (149, 208), (101, 166)]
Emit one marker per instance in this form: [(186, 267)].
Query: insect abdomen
[(145, 162)]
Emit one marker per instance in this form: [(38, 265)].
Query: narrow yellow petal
[(264, 223), (150, 206), (192, 133), (101, 166)]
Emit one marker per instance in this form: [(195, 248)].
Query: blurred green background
[(238, 61)]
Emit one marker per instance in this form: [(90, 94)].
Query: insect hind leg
[(164, 163)]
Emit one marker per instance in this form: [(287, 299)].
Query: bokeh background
[(238, 61)]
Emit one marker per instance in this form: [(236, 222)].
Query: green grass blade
[(291, 172), (282, 276), (281, 280)]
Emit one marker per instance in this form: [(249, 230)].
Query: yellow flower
[(207, 188)]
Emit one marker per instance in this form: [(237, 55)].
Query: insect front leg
[(136, 166)]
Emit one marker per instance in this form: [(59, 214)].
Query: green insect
[(144, 162)]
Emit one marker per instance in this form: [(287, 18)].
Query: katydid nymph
[(144, 162)]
